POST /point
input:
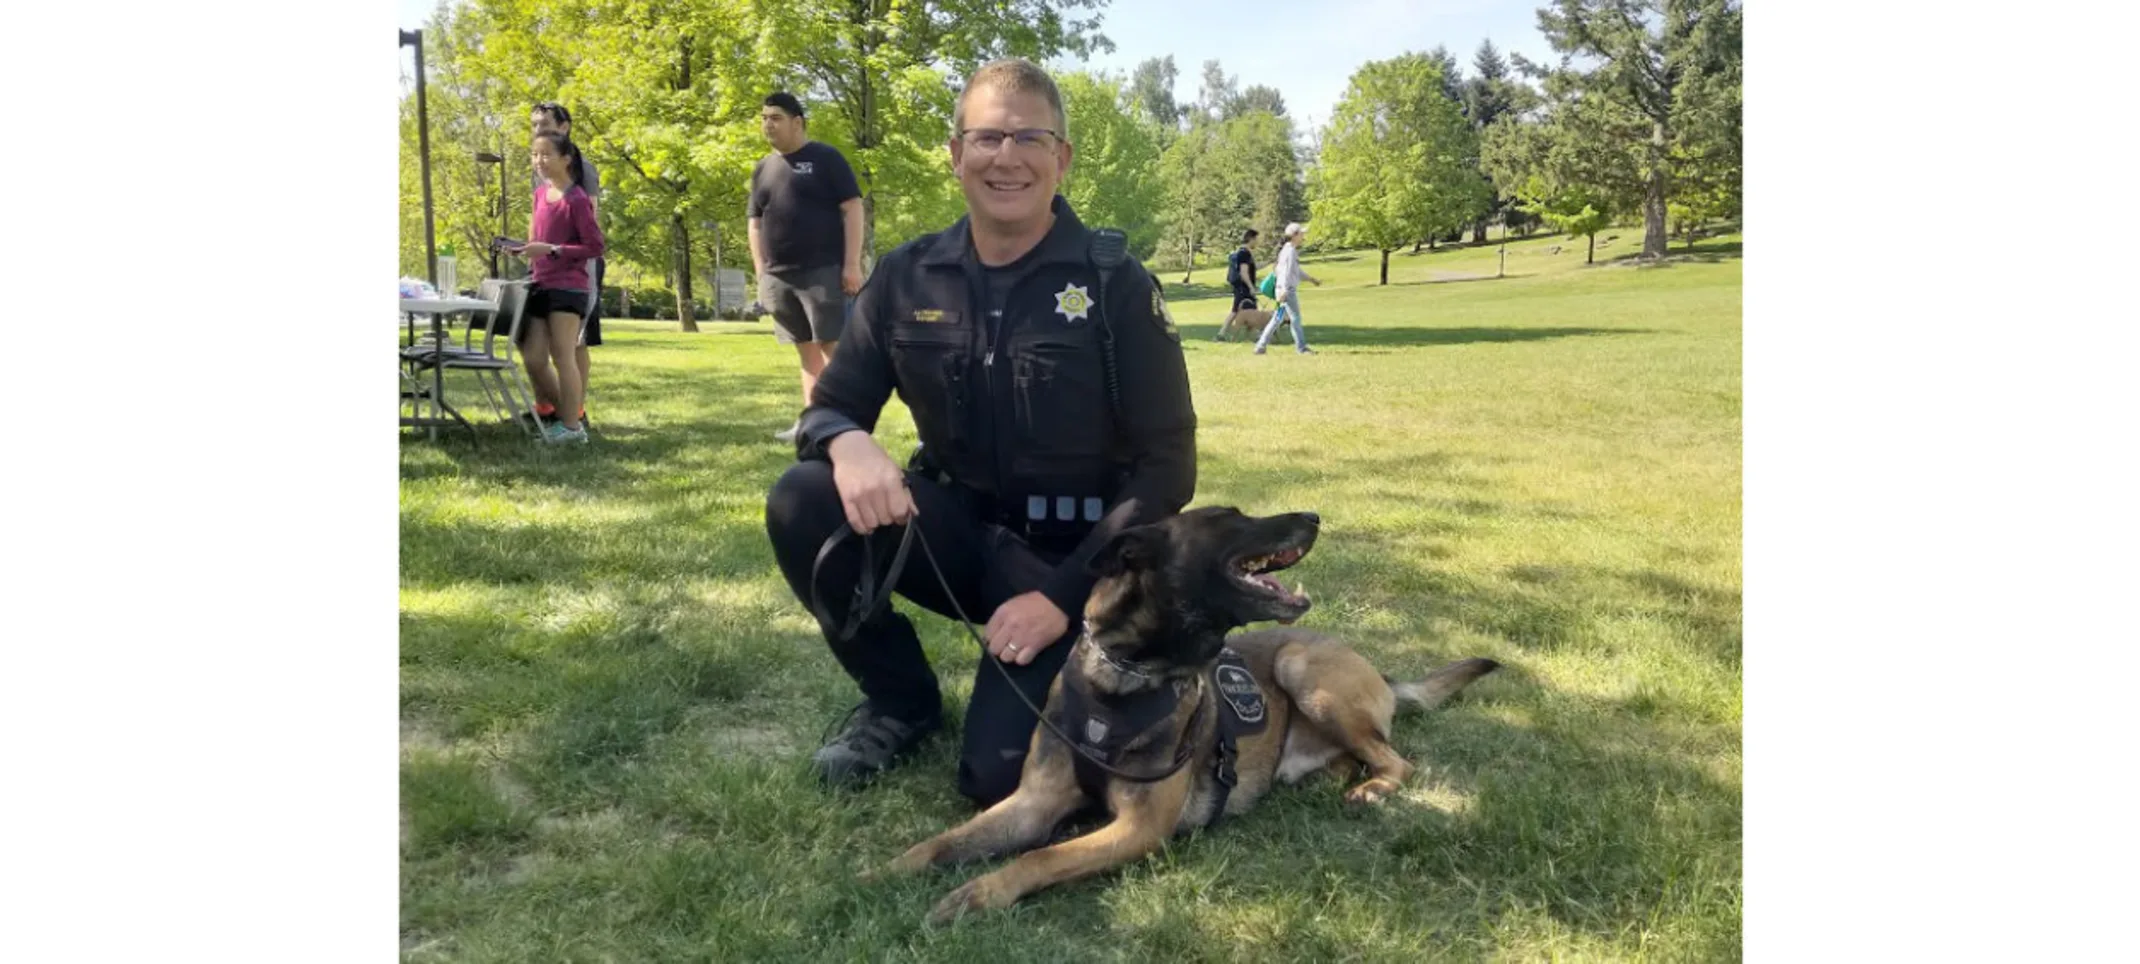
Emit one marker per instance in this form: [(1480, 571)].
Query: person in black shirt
[(805, 237), (1241, 276), (997, 334)]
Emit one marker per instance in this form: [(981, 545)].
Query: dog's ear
[(1132, 549)]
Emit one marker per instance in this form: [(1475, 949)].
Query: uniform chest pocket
[(1060, 393), (929, 360)]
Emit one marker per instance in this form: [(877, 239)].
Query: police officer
[(997, 334)]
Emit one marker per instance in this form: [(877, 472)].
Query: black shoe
[(871, 744)]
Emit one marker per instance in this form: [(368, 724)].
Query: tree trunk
[(869, 231), (1478, 231), (1592, 257), (1188, 260), (1653, 207), (1416, 245), (866, 138), (680, 272), (1385, 266)]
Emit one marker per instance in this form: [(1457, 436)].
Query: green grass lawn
[(609, 698)]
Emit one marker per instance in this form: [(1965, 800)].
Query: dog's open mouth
[(1255, 572)]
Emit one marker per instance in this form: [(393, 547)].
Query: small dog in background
[(1250, 320)]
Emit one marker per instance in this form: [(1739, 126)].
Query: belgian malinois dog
[(1155, 634)]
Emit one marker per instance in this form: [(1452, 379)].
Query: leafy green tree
[(1110, 182), (1193, 176), (1658, 85), (1260, 98), (1151, 89), (660, 102), (1216, 97), (1396, 162), (1220, 178), (1573, 182), (885, 64)]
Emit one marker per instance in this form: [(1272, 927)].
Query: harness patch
[(1245, 710)]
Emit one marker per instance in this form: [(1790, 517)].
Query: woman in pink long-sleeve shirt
[(563, 237)]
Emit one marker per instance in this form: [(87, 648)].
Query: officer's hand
[(873, 490), (851, 278), (1024, 626)]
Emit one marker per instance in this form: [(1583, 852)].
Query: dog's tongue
[(1268, 582)]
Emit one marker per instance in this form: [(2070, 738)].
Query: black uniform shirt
[(1018, 407)]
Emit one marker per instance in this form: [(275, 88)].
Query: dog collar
[(1126, 669)]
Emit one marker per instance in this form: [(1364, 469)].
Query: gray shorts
[(807, 304)]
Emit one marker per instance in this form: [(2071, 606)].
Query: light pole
[(415, 38), (504, 211)]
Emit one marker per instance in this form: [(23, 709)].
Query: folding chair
[(494, 359)]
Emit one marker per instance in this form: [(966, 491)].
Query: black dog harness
[(1102, 729)]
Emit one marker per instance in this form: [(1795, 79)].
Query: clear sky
[(1305, 48)]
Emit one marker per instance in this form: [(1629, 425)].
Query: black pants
[(985, 564)]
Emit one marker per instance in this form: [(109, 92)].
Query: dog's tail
[(1441, 684)]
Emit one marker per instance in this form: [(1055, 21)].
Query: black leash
[(872, 593)]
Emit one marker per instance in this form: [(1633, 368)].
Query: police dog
[(1156, 622)]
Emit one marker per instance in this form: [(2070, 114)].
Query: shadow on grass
[(1705, 252), (1453, 281), (740, 420), (1177, 291), (1401, 336)]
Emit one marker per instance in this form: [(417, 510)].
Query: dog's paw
[(1371, 793), (974, 895), (908, 864)]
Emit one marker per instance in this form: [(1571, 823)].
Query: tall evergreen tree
[(1658, 82)]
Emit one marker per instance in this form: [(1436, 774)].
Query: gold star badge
[(1073, 302)]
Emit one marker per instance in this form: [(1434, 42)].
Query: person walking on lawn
[(1289, 274)]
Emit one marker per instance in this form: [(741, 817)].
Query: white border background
[(199, 708)]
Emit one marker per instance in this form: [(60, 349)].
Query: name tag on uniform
[(929, 315)]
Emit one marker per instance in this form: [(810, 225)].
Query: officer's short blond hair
[(1013, 75)]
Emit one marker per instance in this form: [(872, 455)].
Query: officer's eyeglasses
[(988, 140)]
